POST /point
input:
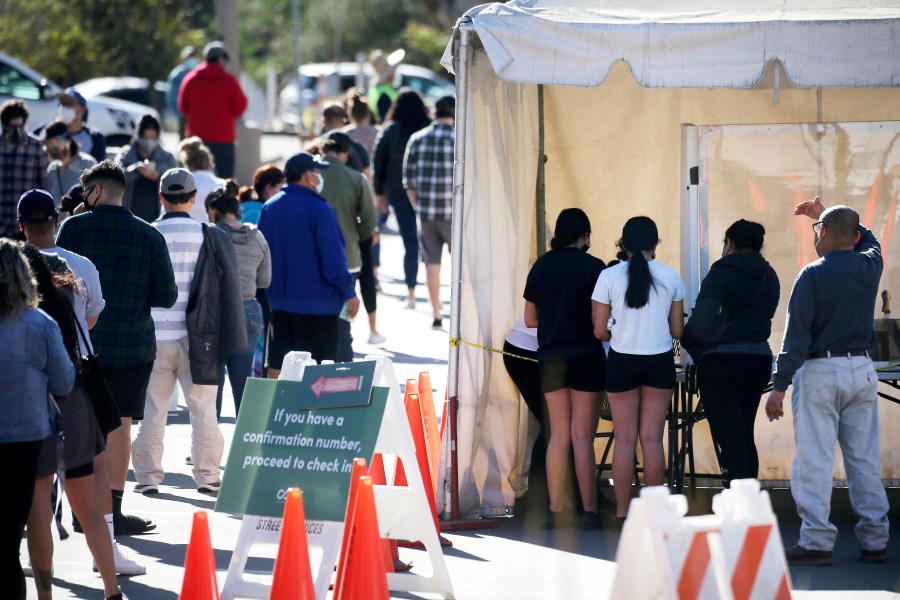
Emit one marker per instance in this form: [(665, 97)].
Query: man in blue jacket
[(310, 279)]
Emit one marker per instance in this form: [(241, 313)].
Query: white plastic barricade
[(733, 554)]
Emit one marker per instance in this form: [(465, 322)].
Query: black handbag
[(92, 379)]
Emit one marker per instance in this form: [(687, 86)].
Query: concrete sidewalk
[(518, 560)]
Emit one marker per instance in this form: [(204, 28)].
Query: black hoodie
[(735, 306)]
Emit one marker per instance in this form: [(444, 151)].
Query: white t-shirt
[(206, 181), (642, 330), (88, 298), (523, 337)]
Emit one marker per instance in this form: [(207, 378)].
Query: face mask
[(67, 114), (13, 134), (148, 145), (190, 63), (321, 183), (586, 247)]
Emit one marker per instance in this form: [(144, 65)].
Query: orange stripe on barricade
[(784, 589), (694, 570), (749, 559), (430, 427)]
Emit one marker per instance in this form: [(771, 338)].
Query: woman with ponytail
[(570, 360), (638, 309), (255, 272)]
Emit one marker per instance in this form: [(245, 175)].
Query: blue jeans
[(835, 400), (406, 220), (240, 365)]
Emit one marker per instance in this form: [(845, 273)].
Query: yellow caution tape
[(454, 342)]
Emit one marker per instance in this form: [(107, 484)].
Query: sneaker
[(377, 338), (124, 565), (437, 324), (874, 556), (131, 525), (591, 521), (146, 489), (409, 303), (798, 555), (188, 460), (210, 489)]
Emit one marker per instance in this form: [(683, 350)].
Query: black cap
[(36, 206)]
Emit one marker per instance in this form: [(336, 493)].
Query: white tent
[(767, 104)]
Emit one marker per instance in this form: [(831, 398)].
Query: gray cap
[(177, 181), (213, 50)]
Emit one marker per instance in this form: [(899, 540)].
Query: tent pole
[(540, 204), (461, 65)]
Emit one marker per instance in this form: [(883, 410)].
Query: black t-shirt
[(560, 285)]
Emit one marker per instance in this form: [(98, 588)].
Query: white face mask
[(321, 183), (67, 114)]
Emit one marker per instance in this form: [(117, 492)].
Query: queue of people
[(636, 307)]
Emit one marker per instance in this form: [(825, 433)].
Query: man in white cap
[(211, 100), (206, 273), (382, 91)]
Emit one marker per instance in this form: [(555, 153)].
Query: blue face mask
[(190, 63)]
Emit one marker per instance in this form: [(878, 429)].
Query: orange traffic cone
[(293, 575), (359, 470), (363, 570), (199, 564), (413, 413), (430, 427), (444, 417), (392, 554)]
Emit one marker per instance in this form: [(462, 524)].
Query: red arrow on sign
[(335, 385)]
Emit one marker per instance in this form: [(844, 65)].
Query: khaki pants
[(207, 444)]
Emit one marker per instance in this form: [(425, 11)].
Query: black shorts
[(288, 332), (129, 387), (580, 373), (626, 372)]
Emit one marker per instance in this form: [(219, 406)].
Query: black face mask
[(13, 134), (586, 247)]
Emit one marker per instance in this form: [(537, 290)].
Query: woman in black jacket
[(728, 338), (407, 115)]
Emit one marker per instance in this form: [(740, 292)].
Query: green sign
[(302, 434)]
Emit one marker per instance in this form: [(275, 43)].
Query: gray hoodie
[(254, 261)]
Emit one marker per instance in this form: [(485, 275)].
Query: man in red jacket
[(211, 100)]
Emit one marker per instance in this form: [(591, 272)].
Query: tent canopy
[(617, 150), (691, 44)]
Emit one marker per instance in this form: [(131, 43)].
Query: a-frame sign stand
[(403, 512)]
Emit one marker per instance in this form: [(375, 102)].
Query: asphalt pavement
[(516, 560)]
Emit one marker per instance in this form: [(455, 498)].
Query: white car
[(323, 82), (116, 119)]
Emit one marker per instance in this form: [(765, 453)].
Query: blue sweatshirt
[(309, 264), (832, 306)]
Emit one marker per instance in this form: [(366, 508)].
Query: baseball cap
[(75, 95), (56, 129), (187, 52), (177, 181), (213, 50), (36, 206), (300, 163)]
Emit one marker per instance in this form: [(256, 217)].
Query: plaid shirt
[(23, 167), (428, 169), (135, 274)]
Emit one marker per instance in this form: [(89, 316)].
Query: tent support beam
[(540, 200), (461, 59)]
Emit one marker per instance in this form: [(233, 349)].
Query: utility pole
[(227, 16), (298, 59)]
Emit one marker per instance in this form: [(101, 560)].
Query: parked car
[(115, 118), (324, 82)]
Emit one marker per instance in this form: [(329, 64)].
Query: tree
[(73, 41)]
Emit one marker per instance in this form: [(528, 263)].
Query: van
[(327, 82)]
